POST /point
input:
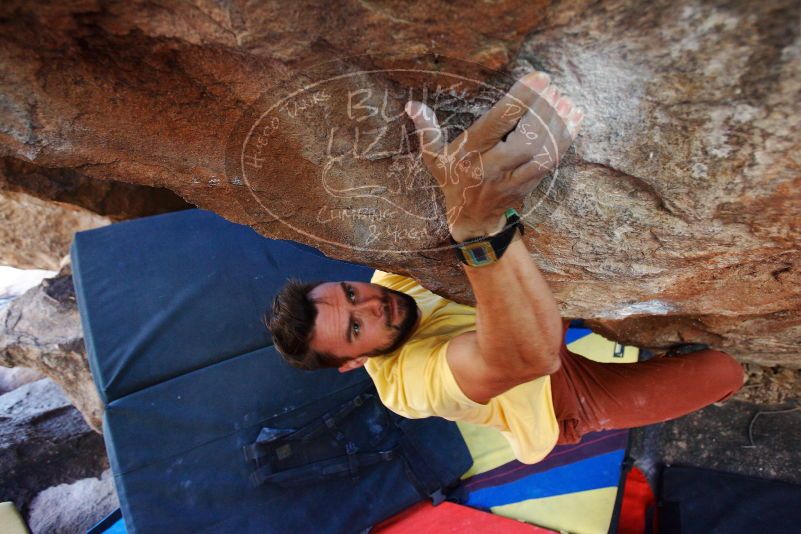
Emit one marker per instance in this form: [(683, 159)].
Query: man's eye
[(356, 328), (351, 294)]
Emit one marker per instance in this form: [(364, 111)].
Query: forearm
[(518, 323)]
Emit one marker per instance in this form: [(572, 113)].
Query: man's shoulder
[(425, 298), (393, 281)]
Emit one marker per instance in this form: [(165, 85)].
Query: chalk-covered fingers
[(534, 170), (501, 158), (493, 126), (570, 115), (431, 138), (539, 141), (531, 134)]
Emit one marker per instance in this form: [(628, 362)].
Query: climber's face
[(356, 320)]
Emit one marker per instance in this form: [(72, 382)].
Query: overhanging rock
[(674, 217)]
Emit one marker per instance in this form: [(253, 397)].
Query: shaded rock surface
[(44, 441), (12, 378), (71, 508), (673, 218), (41, 330), (36, 234), (107, 197)]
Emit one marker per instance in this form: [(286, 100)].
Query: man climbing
[(502, 363)]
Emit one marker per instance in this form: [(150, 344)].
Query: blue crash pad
[(171, 308), (162, 296)]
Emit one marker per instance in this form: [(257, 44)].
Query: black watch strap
[(486, 250)]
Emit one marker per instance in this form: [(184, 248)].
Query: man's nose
[(374, 305)]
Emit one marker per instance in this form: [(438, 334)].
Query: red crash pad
[(450, 518)]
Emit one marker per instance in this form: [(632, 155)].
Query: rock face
[(685, 200), (11, 379), (106, 197), (41, 330), (41, 208), (44, 442), (36, 234), (673, 218), (76, 507)]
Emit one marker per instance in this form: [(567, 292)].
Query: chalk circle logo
[(333, 149)]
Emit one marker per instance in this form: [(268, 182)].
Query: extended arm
[(519, 328)]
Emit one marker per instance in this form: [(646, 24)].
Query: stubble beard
[(407, 308)]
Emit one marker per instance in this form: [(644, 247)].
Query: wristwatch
[(486, 250)]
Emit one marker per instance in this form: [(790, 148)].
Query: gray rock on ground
[(44, 441), (42, 330), (14, 377), (71, 508)]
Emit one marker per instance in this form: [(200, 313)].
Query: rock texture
[(36, 234), (64, 185), (686, 194), (771, 385), (44, 442), (11, 379), (674, 218), (76, 507), (41, 330)]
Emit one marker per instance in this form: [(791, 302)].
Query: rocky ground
[(75, 507), (770, 385), (755, 433), (738, 437), (53, 466)]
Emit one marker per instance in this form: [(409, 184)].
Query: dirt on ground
[(770, 385), (754, 433)]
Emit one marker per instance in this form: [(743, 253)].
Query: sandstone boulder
[(106, 197), (673, 218), (36, 234), (41, 330)]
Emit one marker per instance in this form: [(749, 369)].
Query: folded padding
[(166, 295)]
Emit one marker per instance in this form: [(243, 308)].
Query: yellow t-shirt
[(416, 381)]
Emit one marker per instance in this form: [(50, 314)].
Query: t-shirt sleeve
[(417, 382)]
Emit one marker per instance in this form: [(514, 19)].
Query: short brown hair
[(290, 320)]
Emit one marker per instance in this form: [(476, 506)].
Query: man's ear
[(355, 363)]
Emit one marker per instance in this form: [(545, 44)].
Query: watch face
[(480, 253), (479, 256)]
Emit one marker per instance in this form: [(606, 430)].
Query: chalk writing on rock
[(338, 139)]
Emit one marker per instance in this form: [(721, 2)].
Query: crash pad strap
[(350, 465)]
